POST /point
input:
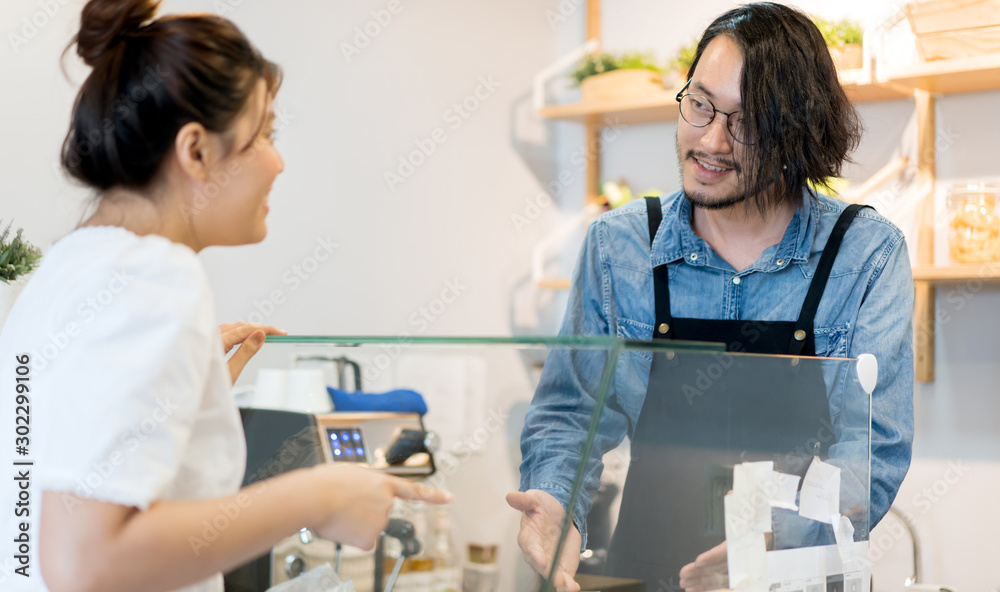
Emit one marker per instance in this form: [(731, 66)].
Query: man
[(763, 116)]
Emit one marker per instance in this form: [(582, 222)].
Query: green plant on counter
[(17, 257), (619, 194), (599, 63), (831, 186), (682, 62), (839, 33)]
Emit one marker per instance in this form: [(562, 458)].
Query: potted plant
[(677, 68), (603, 75), (18, 258), (844, 39)]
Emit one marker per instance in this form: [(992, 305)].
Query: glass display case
[(661, 451)]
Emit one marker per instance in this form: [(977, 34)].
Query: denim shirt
[(867, 307)]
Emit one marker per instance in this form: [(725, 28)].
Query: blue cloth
[(399, 401), (867, 307)]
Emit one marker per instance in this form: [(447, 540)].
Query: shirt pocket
[(632, 370), (635, 331), (831, 342)]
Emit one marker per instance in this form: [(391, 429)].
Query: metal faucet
[(911, 528), (914, 581)]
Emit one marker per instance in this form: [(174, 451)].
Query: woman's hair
[(792, 102), (149, 78)]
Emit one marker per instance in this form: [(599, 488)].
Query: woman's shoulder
[(94, 256), (98, 271)]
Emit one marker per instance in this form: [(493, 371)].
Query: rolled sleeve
[(557, 423), (885, 329)]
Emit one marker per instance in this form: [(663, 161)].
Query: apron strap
[(804, 326), (661, 287)]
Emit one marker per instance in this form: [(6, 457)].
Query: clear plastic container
[(973, 223), (481, 572)]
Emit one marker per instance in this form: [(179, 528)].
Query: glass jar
[(974, 226)]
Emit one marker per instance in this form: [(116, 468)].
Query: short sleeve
[(118, 403)]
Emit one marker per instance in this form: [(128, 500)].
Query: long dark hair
[(149, 78), (792, 102)]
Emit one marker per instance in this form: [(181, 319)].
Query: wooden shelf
[(957, 274), (554, 284), (863, 90), (974, 74), (960, 75), (662, 106)]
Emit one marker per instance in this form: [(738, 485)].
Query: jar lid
[(482, 553), (974, 189)]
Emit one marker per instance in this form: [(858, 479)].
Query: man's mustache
[(732, 164)]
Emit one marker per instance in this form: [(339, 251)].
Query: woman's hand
[(353, 503), (250, 337)]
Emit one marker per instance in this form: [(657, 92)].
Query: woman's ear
[(195, 150)]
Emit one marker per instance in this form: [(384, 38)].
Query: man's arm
[(885, 329), (557, 422)]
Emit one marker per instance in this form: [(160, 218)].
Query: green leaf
[(17, 257)]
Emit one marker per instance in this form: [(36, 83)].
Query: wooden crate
[(620, 84), (947, 29)]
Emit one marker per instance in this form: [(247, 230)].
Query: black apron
[(704, 413)]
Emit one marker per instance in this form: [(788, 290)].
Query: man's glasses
[(699, 112)]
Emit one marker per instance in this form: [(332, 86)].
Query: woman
[(137, 445)]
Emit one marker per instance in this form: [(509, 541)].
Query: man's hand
[(250, 337), (710, 571), (541, 522)]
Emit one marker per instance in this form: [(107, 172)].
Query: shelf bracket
[(923, 310)]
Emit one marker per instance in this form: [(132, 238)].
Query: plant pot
[(8, 294), (620, 84), (847, 56), (674, 80)]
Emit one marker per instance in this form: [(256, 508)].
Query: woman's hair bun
[(104, 22)]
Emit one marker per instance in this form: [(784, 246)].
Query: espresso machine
[(281, 441)]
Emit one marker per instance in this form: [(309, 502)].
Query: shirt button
[(737, 280), (694, 256), (780, 261)]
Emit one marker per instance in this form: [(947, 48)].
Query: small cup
[(307, 391), (272, 388)]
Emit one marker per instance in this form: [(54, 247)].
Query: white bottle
[(447, 568)]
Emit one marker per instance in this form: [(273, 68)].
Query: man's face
[(710, 160)]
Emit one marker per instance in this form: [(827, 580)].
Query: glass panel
[(758, 464), (716, 452), (476, 391)]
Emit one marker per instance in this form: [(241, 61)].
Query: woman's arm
[(92, 546)]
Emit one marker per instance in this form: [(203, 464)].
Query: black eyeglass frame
[(729, 116)]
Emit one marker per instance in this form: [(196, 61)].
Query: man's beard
[(702, 200)]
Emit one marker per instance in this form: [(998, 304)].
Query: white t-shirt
[(130, 395)]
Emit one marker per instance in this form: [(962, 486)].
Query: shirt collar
[(676, 240)]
